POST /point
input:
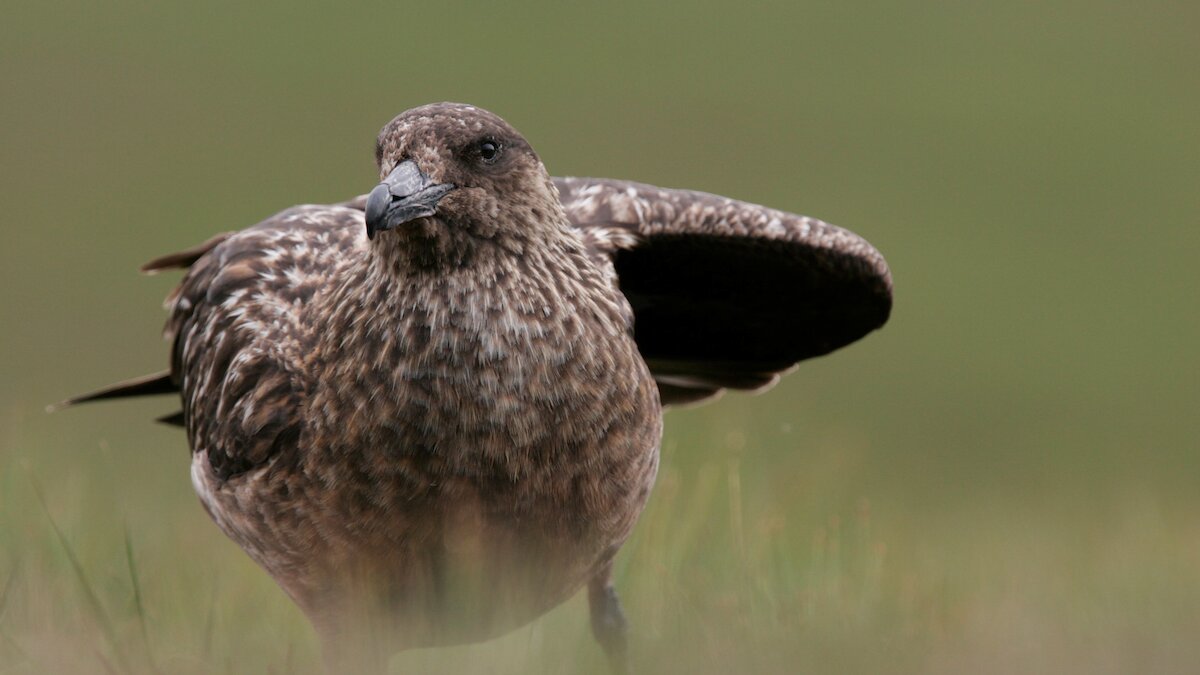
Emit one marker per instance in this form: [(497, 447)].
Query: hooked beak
[(405, 195)]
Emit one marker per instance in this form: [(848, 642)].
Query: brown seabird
[(433, 413)]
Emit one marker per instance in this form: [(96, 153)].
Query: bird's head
[(453, 177)]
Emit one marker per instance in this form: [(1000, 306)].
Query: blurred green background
[(1005, 479)]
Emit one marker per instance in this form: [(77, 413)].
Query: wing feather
[(240, 329), (728, 294)]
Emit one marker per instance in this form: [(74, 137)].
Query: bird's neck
[(436, 246)]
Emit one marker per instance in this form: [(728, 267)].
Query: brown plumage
[(437, 426)]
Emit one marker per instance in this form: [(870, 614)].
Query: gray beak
[(405, 195)]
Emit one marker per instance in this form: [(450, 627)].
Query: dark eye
[(489, 151)]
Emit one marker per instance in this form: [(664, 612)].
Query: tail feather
[(154, 383), (146, 385), (185, 258)]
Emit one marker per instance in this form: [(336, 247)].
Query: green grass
[(1003, 480), (711, 582), (720, 577)]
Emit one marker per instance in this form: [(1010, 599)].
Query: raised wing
[(728, 294)]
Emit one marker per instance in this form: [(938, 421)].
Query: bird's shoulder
[(240, 326)]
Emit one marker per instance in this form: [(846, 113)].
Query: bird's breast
[(528, 391), (503, 439)]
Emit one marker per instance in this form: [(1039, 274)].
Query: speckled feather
[(458, 411)]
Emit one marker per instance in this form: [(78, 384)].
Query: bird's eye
[(489, 151)]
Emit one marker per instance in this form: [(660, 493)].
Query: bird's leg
[(608, 621)]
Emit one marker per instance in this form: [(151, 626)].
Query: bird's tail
[(154, 383), (146, 385)]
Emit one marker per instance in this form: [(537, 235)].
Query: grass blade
[(137, 600), (4, 596), (8, 586), (209, 622), (89, 594)]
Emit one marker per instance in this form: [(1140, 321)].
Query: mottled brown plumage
[(438, 433)]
